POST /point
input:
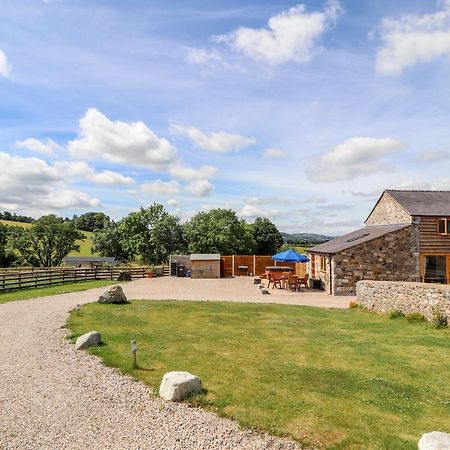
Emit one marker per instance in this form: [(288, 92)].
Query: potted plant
[(151, 272)]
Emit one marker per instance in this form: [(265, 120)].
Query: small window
[(323, 264), (443, 226)]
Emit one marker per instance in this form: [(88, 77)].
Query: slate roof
[(423, 203), (355, 238), (85, 259)]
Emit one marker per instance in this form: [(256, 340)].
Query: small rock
[(113, 295), (176, 386), (91, 339), (436, 440)]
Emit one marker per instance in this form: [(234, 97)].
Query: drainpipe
[(331, 276)]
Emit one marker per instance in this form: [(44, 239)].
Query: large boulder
[(91, 339), (436, 440), (114, 294), (176, 386)]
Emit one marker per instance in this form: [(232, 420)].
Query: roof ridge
[(416, 190)]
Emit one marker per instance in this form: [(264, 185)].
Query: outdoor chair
[(276, 281), (303, 282), (292, 282)]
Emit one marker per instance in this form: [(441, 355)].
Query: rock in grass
[(176, 386), (114, 294), (435, 440), (91, 339)]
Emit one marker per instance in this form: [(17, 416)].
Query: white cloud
[(433, 155), (209, 58), (159, 187), (275, 153), (5, 67), (120, 142), (292, 35), (353, 157), (188, 173), (81, 170), (413, 39), (219, 142), (47, 147), (32, 185), (199, 188), (173, 202), (251, 212)]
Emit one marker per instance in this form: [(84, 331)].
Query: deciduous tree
[(267, 237), (47, 241)]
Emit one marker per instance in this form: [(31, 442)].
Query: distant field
[(85, 244)]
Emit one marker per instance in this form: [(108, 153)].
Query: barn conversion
[(406, 237)]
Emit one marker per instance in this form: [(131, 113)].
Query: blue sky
[(301, 112)]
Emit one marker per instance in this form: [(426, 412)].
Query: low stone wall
[(385, 296)]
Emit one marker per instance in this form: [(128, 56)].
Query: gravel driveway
[(53, 397)]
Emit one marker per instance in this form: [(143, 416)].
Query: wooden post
[(232, 265), (254, 265), (133, 354)]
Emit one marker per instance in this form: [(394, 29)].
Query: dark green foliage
[(219, 231), (267, 238), (107, 242), (91, 221), (151, 234), (46, 242), (395, 314), (415, 317), (7, 256), (15, 217)]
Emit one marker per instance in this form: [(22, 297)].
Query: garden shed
[(205, 265)]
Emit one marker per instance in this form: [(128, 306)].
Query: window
[(443, 226), (435, 269), (323, 264)]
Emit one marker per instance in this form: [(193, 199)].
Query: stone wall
[(394, 256), (388, 212), (385, 296)]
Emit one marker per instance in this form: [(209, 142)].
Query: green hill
[(85, 244)]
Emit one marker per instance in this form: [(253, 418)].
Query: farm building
[(406, 237)]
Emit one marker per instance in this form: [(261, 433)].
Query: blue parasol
[(290, 256)]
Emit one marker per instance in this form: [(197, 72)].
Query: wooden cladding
[(431, 240), (256, 265)]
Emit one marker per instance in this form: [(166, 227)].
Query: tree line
[(148, 235)]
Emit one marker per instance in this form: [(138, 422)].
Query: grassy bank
[(85, 244), (25, 294), (342, 379)]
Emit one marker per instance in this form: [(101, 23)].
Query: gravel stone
[(54, 397)]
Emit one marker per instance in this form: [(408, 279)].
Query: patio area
[(238, 289)]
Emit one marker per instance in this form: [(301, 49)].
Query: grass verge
[(25, 294), (340, 379)]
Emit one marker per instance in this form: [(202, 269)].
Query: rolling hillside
[(85, 244)]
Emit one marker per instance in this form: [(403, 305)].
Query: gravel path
[(53, 397)]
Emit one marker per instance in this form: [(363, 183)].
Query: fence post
[(232, 265), (111, 273)]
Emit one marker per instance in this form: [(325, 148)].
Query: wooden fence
[(255, 264), (32, 277)]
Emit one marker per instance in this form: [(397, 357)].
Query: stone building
[(406, 237)]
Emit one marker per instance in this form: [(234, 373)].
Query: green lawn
[(341, 379), (25, 294), (85, 244)]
